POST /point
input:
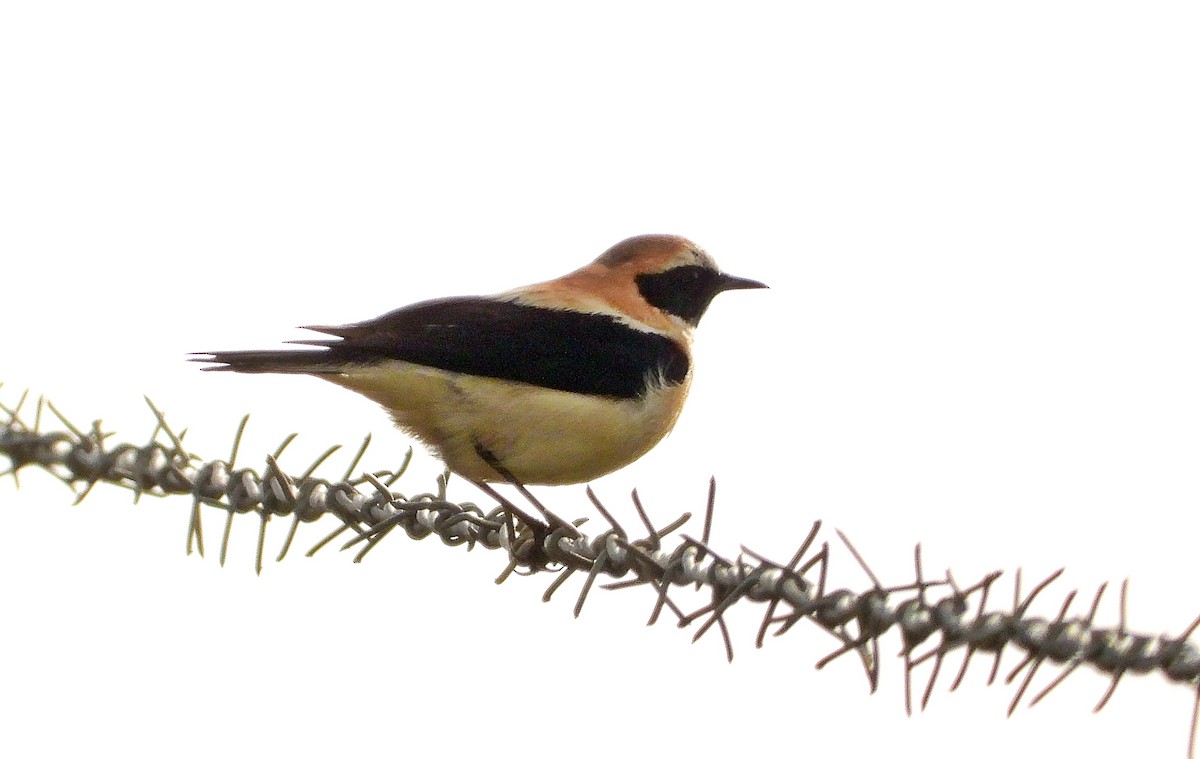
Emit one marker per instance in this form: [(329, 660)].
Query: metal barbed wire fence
[(934, 617)]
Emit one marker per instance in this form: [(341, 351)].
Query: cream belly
[(541, 436)]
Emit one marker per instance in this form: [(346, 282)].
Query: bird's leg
[(510, 507), (551, 518)]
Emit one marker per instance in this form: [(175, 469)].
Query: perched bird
[(548, 384)]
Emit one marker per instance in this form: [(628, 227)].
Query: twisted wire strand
[(370, 511)]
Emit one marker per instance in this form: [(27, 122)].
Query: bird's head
[(671, 273)]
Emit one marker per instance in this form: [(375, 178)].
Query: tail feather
[(270, 361)]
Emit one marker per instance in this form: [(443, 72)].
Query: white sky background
[(980, 230)]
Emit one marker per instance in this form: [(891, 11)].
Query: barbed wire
[(932, 613)]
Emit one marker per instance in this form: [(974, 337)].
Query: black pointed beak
[(730, 282)]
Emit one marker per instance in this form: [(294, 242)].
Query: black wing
[(592, 354)]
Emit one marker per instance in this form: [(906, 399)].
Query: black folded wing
[(592, 354)]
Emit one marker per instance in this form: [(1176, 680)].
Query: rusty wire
[(934, 612)]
